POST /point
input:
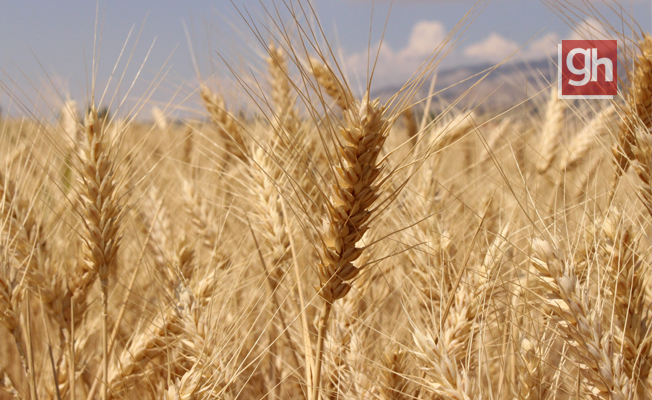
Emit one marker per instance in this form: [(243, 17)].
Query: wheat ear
[(445, 353), (9, 318), (396, 384), (8, 315), (28, 245), (411, 128), (642, 163), (69, 122), (626, 288), (8, 386), (189, 325), (585, 139), (266, 177), (349, 209), (457, 128), (227, 126), (494, 143), (145, 346), (160, 119), (531, 367), (587, 178), (267, 180), (286, 115), (21, 237), (638, 110), (551, 132), (328, 81), (25, 239), (578, 322), (188, 144), (102, 215), (154, 223)]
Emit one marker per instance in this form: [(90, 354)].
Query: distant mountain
[(480, 86)]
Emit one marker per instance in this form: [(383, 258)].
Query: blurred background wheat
[(298, 238)]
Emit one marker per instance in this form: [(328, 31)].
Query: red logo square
[(588, 69)]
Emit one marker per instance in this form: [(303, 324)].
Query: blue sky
[(48, 45)]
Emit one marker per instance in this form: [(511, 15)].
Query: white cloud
[(396, 65), (425, 37), (545, 46), (590, 28), (392, 64), (494, 48)]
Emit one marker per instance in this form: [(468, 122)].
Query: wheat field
[(304, 240)]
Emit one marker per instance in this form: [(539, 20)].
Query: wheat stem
[(105, 341), (323, 327), (302, 303)]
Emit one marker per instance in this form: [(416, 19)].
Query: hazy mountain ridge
[(505, 85)]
